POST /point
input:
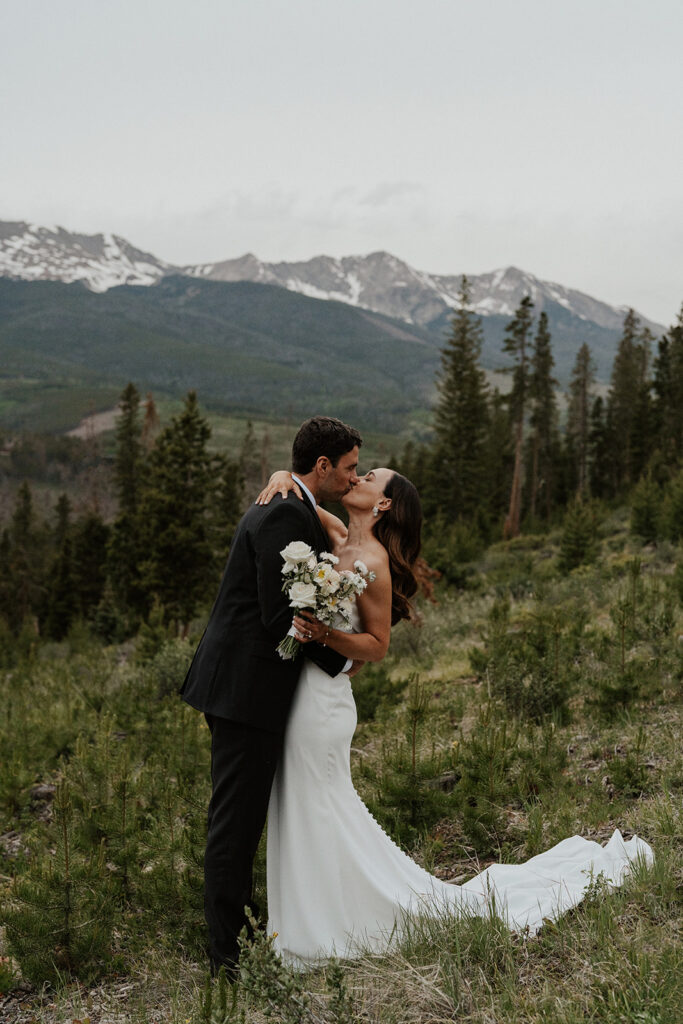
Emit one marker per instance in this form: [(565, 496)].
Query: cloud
[(388, 191), (599, 253)]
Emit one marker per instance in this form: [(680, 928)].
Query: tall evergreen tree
[(6, 589), (461, 415), (250, 460), (150, 424), (628, 403), (668, 389), (579, 416), (600, 472), (89, 563), (178, 567), (127, 464), (517, 345), (642, 428), (229, 502), (499, 456), (125, 544), (543, 419), (61, 599), (27, 560)]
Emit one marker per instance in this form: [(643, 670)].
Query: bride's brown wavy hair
[(399, 532)]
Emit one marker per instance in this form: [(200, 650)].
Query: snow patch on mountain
[(379, 281), (34, 253)]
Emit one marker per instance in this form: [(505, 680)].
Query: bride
[(337, 884)]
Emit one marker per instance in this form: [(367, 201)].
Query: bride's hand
[(308, 628), (281, 482)]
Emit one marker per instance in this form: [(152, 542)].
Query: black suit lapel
[(323, 541)]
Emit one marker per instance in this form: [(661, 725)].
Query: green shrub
[(450, 546), (167, 668), (646, 506), (578, 544), (499, 764), (374, 691), (672, 509), (59, 915), (531, 665)]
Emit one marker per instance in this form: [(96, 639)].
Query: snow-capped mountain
[(379, 282), (32, 253), (385, 284)]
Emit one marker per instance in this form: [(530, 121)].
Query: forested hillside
[(242, 346)]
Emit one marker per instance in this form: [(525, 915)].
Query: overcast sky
[(460, 136)]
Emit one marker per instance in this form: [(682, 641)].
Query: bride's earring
[(375, 511)]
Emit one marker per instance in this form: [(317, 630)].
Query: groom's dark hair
[(322, 435)]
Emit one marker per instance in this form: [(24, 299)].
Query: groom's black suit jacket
[(236, 672)]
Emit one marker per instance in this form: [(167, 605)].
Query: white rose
[(288, 567), (327, 556), (302, 595), (297, 551), (361, 567)]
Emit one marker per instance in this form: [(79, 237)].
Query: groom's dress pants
[(243, 763)]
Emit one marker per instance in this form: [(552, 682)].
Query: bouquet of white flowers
[(320, 588)]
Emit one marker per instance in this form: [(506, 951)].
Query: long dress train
[(338, 885)]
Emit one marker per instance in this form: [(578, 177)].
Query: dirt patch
[(96, 423)]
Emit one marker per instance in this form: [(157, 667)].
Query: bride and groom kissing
[(281, 732)]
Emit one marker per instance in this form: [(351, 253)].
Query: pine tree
[(89, 561), (628, 404), (59, 917), (578, 544), (672, 511), (516, 344), (668, 388), (265, 456), (6, 588), (417, 463), (461, 415), (175, 511), (646, 510), (125, 542), (150, 424), (250, 460), (27, 560), (543, 419), (642, 428), (61, 599), (229, 505), (499, 456), (578, 416), (600, 473)]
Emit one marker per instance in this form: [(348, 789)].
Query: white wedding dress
[(338, 885)]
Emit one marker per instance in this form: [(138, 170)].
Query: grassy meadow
[(527, 706)]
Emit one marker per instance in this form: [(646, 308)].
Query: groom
[(242, 685)]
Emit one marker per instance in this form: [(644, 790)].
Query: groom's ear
[(322, 465)]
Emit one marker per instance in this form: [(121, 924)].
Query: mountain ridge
[(378, 281)]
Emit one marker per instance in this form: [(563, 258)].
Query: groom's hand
[(356, 666)]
